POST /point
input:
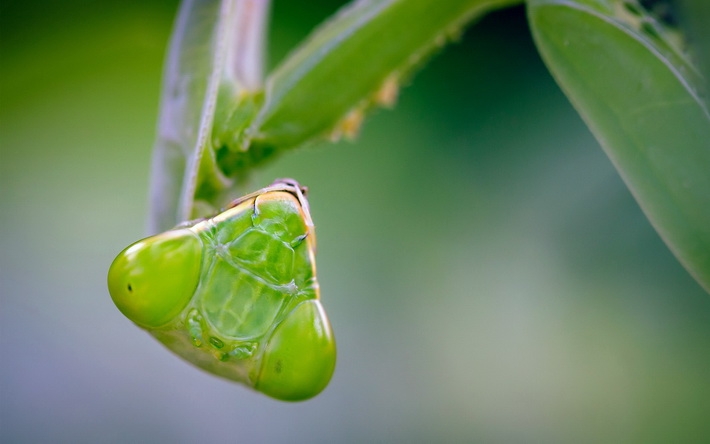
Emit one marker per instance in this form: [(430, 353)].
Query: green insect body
[(236, 294)]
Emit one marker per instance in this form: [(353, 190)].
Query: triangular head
[(236, 294)]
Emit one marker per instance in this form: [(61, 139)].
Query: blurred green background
[(488, 276)]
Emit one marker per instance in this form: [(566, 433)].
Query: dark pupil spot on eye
[(277, 367), (130, 288)]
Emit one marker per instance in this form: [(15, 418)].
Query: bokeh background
[(488, 275)]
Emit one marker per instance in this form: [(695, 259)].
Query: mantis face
[(236, 294)]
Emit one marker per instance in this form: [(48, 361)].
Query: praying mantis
[(235, 290)]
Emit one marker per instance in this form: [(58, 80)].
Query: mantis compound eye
[(299, 358), (153, 280)]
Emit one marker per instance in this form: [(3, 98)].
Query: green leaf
[(627, 74), (695, 14)]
